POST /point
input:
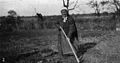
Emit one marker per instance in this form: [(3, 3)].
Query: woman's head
[(64, 12)]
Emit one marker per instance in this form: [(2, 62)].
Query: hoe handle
[(68, 40)]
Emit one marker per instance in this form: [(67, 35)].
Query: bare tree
[(116, 3), (68, 4), (96, 6), (113, 4)]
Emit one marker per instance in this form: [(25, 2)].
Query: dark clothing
[(71, 31), (11, 23), (69, 27), (40, 16), (11, 20), (40, 20)]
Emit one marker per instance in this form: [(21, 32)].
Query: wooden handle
[(70, 44)]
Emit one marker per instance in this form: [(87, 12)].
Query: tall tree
[(68, 4)]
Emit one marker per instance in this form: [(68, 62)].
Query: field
[(40, 45)]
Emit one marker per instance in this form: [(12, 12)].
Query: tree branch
[(74, 6), (64, 4)]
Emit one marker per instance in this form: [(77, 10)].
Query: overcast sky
[(46, 7)]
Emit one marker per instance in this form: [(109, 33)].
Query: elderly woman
[(69, 27)]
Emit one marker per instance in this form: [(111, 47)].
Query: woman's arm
[(72, 26)]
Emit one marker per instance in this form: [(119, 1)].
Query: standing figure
[(69, 27), (40, 20), (11, 21)]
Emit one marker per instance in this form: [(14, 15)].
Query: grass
[(35, 43), (105, 51)]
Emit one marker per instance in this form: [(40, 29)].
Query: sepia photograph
[(59, 31)]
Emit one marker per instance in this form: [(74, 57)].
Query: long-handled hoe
[(68, 40)]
